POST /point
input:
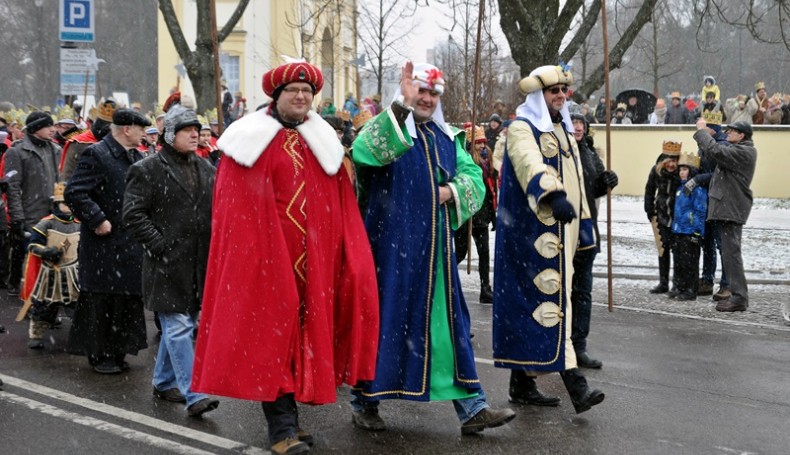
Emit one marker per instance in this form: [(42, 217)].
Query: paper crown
[(759, 86), (211, 116), (712, 117), (480, 134), (361, 118), (671, 147), (344, 116), (57, 194), (292, 72), (674, 95), (687, 159), (105, 110), (545, 76), (621, 107)]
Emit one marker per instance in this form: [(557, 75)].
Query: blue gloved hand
[(561, 209), (688, 188)]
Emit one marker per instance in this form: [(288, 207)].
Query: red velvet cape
[(249, 344)]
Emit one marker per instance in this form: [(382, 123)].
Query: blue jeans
[(465, 408), (174, 360)]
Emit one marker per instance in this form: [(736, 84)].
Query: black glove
[(688, 188), (561, 209), (18, 230), (51, 254), (609, 178), (695, 239)]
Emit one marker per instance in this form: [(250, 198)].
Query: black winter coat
[(594, 186), (660, 194), (35, 172), (112, 263), (173, 224)]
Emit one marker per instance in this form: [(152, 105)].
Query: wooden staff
[(480, 16), (608, 157), (85, 93), (215, 51)]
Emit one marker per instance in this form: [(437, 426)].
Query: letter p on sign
[(77, 14)]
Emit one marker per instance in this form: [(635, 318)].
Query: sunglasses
[(557, 89)]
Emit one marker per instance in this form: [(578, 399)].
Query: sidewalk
[(766, 240)]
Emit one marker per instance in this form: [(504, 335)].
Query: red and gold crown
[(105, 110), (671, 147), (480, 134), (292, 72)]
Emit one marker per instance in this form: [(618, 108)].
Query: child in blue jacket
[(688, 229)]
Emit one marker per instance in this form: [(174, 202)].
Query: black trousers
[(480, 237), (686, 256), (664, 261), (732, 261), (282, 416), (581, 297), (18, 250)]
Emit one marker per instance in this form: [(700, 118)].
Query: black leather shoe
[(524, 390), (727, 306), (686, 296), (582, 396), (673, 293), (13, 291), (203, 406), (585, 361), (368, 419), (487, 418), (486, 294), (173, 395), (660, 289), (107, 366)]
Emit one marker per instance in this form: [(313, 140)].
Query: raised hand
[(408, 86)]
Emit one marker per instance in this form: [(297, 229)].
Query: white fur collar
[(245, 139)]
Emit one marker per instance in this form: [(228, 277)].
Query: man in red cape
[(290, 308)]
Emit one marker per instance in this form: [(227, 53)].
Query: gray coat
[(30, 189), (174, 226), (729, 196)]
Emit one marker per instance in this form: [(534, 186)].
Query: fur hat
[(544, 77), (178, 117), (275, 79)]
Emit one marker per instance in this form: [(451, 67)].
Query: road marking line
[(117, 430), (699, 318), (142, 419)]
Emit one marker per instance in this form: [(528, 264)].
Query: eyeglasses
[(556, 89), (296, 90)]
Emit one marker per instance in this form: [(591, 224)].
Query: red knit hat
[(292, 72)]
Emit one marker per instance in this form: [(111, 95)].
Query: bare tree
[(768, 21), (536, 30), (384, 28), (200, 62), (661, 48)]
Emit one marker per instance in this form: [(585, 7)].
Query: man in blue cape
[(543, 220), (418, 184)]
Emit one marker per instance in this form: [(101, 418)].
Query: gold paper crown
[(712, 117), (671, 147), (361, 118), (211, 115), (687, 159), (344, 116), (621, 107), (57, 194), (105, 110), (759, 86), (480, 134)]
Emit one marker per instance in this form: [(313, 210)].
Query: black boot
[(486, 294), (582, 397), (523, 390)]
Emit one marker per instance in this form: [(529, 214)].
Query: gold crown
[(712, 117), (759, 86), (361, 118), (621, 106), (105, 110), (480, 134), (344, 116), (57, 194), (671, 147), (687, 159)]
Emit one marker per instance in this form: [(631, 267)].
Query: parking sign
[(76, 20)]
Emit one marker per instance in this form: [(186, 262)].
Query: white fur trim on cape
[(245, 139)]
